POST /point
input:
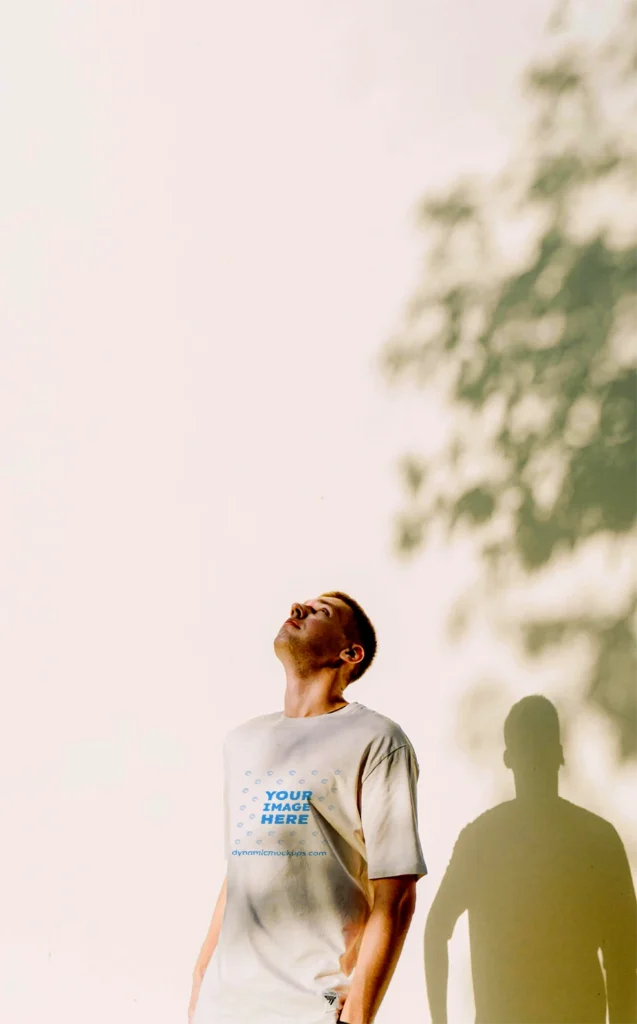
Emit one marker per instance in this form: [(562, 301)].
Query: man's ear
[(506, 757), (353, 655)]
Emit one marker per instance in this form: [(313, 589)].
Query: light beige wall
[(206, 237)]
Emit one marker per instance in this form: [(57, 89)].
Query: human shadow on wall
[(547, 887)]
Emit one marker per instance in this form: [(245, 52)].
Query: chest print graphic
[(274, 812), (287, 804)]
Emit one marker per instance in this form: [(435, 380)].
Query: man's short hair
[(364, 632)]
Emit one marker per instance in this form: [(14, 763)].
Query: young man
[(547, 886), (321, 841)]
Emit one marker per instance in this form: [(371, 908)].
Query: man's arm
[(381, 946), (208, 948)]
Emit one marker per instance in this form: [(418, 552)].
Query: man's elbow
[(406, 907), (410, 899), (397, 903)]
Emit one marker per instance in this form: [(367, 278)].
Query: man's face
[(316, 632)]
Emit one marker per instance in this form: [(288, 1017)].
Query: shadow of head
[(533, 750)]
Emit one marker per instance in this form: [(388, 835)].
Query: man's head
[(330, 631), (532, 737)]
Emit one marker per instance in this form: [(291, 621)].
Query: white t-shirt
[(314, 808)]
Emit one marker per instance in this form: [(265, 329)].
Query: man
[(547, 886), (321, 841)]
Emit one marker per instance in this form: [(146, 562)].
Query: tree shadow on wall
[(538, 361)]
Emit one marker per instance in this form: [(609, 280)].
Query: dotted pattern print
[(279, 811)]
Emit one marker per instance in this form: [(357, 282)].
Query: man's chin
[(287, 630)]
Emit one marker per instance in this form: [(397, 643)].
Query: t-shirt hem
[(391, 872)]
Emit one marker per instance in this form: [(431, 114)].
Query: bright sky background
[(206, 235)]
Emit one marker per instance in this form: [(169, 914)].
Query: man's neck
[(308, 696)]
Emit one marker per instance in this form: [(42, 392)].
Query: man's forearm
[(436, 974), (380, 949), (208, 948), (210, 942)]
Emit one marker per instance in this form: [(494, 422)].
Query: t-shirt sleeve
[(389, 816)]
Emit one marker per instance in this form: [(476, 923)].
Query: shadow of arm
[(619, 941), (450, 902)]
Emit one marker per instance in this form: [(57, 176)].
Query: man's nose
[(299, 611)]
